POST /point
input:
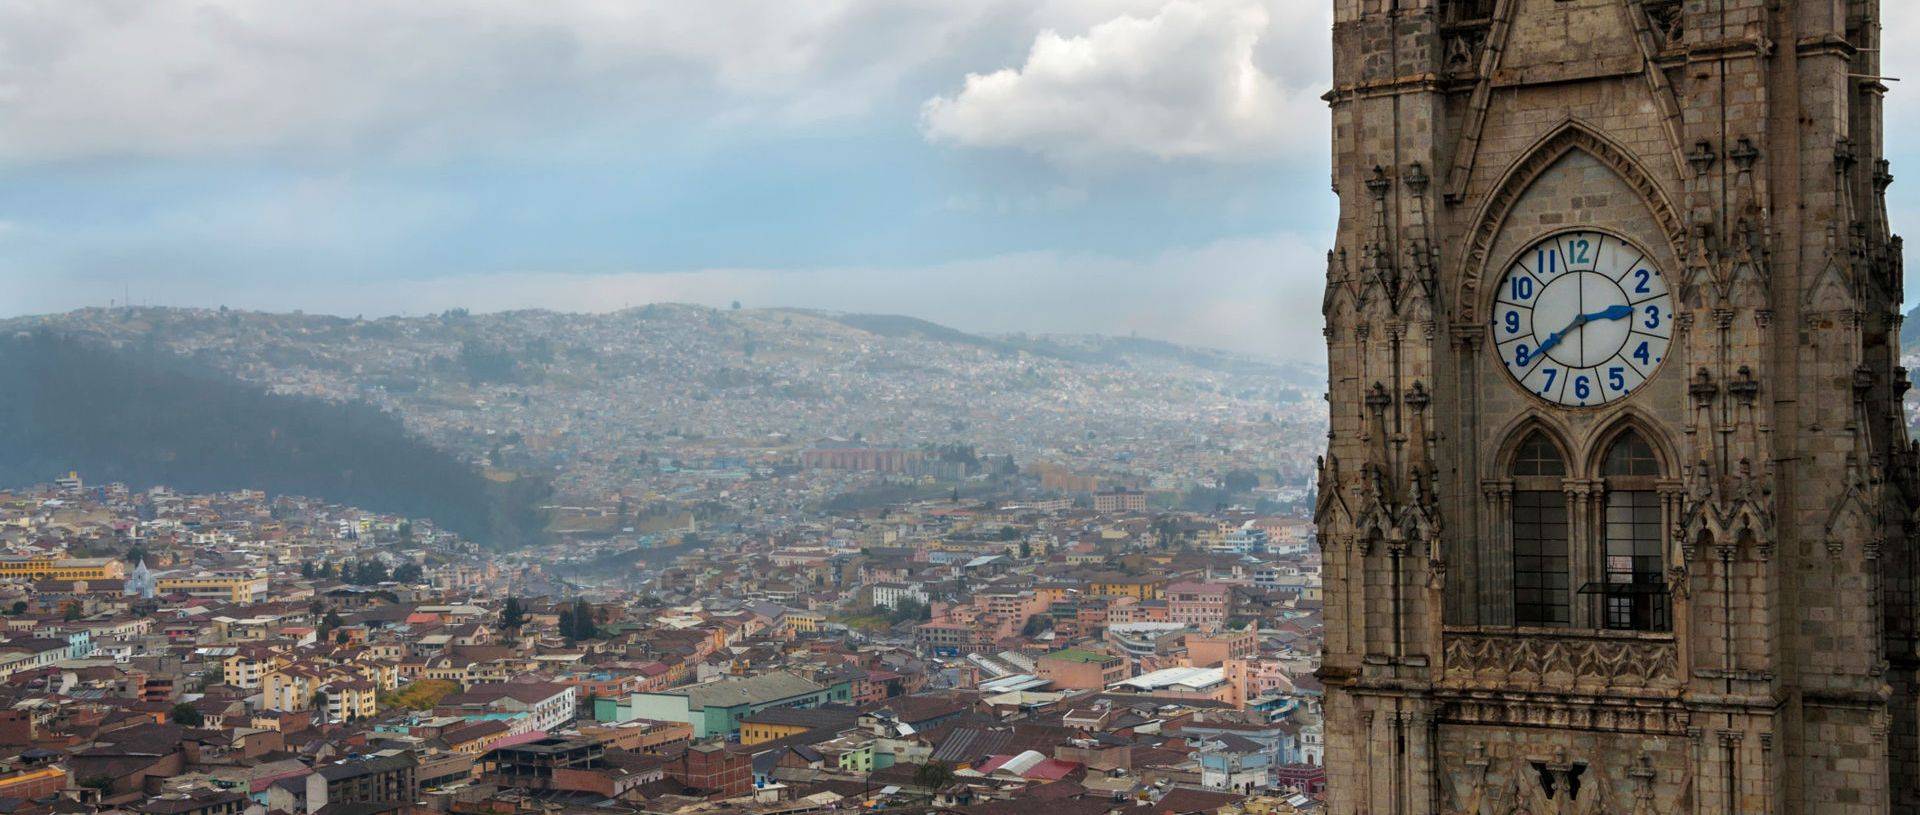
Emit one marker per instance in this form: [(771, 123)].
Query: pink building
[(1201, 605)]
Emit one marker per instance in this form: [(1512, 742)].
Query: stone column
[(1586, 551), (1495, 596)]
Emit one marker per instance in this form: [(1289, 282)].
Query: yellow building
[(290, 688), (804, 622), (751, 733), (232, 587), (42, 567), (349, 699), (249, 666), (1139, 588), (781, 722), (383, 675)]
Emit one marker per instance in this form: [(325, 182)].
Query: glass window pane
[(1630, 455), (1538, 456), (1541, 574), (1635, 572)]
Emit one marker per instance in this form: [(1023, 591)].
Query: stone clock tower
[(1617, 507)]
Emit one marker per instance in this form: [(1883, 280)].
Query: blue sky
[(1150, 166)]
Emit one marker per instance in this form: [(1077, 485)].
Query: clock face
[(1582, 319)]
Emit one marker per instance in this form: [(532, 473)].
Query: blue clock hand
[(1619, 312), (1552, 340)]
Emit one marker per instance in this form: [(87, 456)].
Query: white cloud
[(221, 78), (1195, 79), (81, 78)]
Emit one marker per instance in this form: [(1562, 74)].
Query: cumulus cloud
[(82, 78), (227, 78), (1194, 79)]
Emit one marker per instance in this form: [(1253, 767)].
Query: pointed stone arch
[(1629, 418), (1571, 135), (1522, 427)]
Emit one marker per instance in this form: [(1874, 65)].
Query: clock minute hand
[(1619, 312)]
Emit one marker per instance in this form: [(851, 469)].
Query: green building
[(715, 708)]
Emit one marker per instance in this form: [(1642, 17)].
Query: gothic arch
[(1593, 455), (1525, 427), (1522, 427), (1571, 135)]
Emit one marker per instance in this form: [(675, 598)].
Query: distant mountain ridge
[(1091, 348), (591, 400)]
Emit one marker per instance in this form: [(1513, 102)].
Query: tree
[(907, 609), (408, 573), (1164, 527), (185, 714), (933, 775), (576, 622), (329, 623), (73, 610), (369, 572), (319, 703), (19, 607), (512, 615), (406, 531)]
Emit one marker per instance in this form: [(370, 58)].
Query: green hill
[(146, 418)]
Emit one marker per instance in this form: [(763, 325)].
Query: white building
[(889, 595)]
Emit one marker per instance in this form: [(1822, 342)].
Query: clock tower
[(1617, 505)]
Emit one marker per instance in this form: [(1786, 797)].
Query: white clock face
[(1582, 319)]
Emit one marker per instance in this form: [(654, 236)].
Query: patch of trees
[(909, 610), (149, 418), (576, 622), (358, 573)]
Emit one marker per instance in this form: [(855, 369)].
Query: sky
[(1156, 167)]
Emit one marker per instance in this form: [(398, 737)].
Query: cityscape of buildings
[(792, 564), (241, 652)]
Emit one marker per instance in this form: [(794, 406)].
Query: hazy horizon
[(1265, 356), (1065, 166)]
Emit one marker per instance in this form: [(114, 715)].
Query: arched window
[(1633, 570), (1542, 564)]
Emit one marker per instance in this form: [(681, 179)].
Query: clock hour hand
[(1619, 312)]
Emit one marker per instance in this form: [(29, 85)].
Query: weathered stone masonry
[(1739, 143)]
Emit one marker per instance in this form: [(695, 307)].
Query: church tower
[(1617, 502)]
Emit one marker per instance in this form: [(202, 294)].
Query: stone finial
[(1701, 157), (1702, 388), (1379, 183), (1416, 178), (1843, 156)]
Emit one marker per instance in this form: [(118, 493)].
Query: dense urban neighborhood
[(238, 652), (785, 562)]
